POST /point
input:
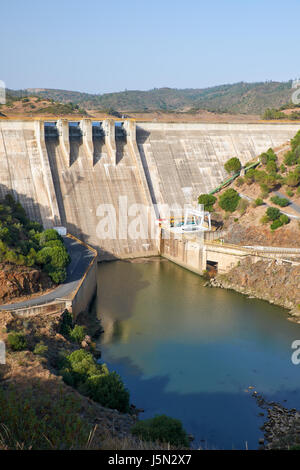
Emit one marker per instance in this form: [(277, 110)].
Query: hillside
[(238, 98), (35, 106), (275, 184)]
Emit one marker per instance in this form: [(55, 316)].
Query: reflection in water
[(191, 352)]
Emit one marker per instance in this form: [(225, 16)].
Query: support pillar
[(87, 138), (108, 126), (64, 139)]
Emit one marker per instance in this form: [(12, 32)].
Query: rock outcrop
[(278, 283), (20, 281)]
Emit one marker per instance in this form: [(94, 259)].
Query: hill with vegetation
[(31, 259), (36, 106), (245, 98), (263, 206)]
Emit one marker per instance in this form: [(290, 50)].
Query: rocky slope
[(264, 280), (20, 281)]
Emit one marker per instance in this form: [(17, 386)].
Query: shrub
[(40, 349), (16, 341), (49, 234), (240, 181), (161, 428), (77, 334), (273, 213), (78, 366), (242, 206), (264, 219), (290, 158), (280, 201), (292, 179), (233, 165), (108, 390), (208, 200), (276, 224), (284, 219), (271, 167), (80, 370), (66, 324), (250, 176), (258, 202), (289, 193), (229, 200)]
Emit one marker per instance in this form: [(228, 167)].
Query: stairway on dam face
[(182, 161)]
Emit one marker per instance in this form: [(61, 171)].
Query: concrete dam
[(69, 173)]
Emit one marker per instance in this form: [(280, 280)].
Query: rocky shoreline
[(264, 280), (282, 426)]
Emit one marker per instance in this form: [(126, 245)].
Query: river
[(191, 352)]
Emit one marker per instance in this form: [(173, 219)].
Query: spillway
[(68, 173)]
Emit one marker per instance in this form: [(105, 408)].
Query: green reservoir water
[(191, 352)]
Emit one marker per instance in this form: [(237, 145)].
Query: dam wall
[(92, 177), (182, 161)]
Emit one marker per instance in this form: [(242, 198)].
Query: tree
[(273, 213), (233, 165), (208, 200), (229, 200)]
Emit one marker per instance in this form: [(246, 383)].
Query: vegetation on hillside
[(25, 243), (277, 113), (245, 98), (269, 175), (162, 428)]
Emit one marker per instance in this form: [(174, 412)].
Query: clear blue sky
[(102, 46)]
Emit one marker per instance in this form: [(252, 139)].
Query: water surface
[(191, 352)]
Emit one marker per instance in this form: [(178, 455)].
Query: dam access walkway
[(81, 257)]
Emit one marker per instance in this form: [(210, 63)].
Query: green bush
[(276, 224), (284, 219), (229, 200), (292, 179), (78, 333), (273, 213), (108, 390), (264, 219), (271, 167), (80, 370), (290, 158), (16, 341), (280, 201), (233, 165), (240, 181), (208, 200), (40, 349), (258, 202), (162, 428)]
